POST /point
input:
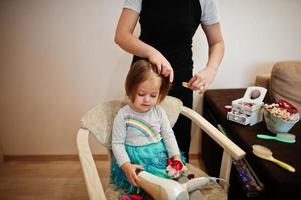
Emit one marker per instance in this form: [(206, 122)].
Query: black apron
[(168, 26)]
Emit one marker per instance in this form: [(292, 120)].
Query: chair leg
[(225, 170), (94, 186)]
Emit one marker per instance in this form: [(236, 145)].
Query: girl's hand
[(201, 80), (162, 64), (130, 171), (175, 167), (184, 168)]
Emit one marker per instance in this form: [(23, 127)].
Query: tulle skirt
[(152, 157)]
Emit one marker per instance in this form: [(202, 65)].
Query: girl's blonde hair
[(140, 72)]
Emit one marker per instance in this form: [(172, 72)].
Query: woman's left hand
[(202, 80)]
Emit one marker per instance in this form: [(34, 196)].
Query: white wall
[(58, 60), (257, 34)]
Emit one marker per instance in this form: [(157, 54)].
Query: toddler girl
[(142, 137)]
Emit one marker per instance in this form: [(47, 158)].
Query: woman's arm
[(216, 45), (125, 38), (201, 80)]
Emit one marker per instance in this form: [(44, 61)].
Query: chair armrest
[(230, 147), (94, 186), (231, 150)]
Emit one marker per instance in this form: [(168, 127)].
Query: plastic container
[(248, 109)]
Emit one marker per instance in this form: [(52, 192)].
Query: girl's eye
[(140, 94), (154, 95)]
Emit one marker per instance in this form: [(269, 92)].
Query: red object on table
[(287, 106)]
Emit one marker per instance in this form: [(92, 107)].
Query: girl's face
[(147, 94)]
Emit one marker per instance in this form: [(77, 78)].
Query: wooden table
[(279, 183)]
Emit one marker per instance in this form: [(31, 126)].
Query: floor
[(48, 180)]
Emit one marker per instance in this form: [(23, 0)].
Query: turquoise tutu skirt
[(152, 157)]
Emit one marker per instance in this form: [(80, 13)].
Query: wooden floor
[(48, 180)]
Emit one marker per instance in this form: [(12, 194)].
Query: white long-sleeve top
[(139, 129)]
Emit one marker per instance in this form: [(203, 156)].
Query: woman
[(167, 28)]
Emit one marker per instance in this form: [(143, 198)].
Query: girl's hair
[(140, 71)]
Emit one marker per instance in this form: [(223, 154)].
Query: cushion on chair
[(172, 107), (99, 120), (208, 192), (286, 82)]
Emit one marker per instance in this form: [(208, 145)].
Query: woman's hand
[(162, 64), (130, 171), (201, 80), (125, 38)]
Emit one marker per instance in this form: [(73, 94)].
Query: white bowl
[(276, 124)]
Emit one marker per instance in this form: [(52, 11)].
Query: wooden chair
[(99, 120)]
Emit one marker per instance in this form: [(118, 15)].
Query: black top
[(168, 26)]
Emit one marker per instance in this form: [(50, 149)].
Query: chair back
[(99, 120)]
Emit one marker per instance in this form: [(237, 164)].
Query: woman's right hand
[(125, 38), (130, 171), (162, 64)]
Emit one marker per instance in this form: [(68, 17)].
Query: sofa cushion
[(286, 82)]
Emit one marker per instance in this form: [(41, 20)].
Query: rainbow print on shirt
[(142, 127)]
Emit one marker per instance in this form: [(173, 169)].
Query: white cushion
[(172, 107), (208, 192), (99, 120)]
